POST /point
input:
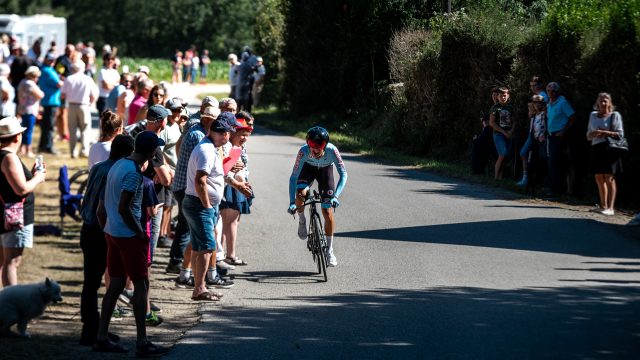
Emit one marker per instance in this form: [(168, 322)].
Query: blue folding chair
[(70, 203)]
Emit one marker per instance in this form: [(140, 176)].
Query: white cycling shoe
[(302, 230), (331, 259)]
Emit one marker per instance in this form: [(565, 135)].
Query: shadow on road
[(281, 277), (447, 322), (584, 237)]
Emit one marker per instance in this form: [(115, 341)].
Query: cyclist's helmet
[(317, 137)]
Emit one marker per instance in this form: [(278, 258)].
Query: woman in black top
[(17, 184)]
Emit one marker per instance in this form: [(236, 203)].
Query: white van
[(27, 29)]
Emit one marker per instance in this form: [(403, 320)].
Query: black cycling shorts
[(324, 176)]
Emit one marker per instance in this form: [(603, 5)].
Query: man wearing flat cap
[(205, 183)]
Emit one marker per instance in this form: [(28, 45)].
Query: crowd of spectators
[(547, 157), (151, 156)]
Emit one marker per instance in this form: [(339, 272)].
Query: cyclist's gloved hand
[(335, 203), (292, 209)]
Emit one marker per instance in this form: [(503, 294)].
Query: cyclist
[(315, 162)]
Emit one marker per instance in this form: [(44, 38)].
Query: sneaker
[(120, 312), (155, 308), (153, 319), (224, 265), (173, 268), (608, 212), (522, 182), (331, 259), (220, 283), (126, 296), (164, 242), (302, 230), (108, 346), (149, 350), (221, 271), (186, 283)]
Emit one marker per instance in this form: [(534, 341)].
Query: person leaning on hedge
[(604, 123)]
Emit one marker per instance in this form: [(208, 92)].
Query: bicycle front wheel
[(318, 248)]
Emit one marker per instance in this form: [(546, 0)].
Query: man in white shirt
[(80, 91), (108, 78), (205, 184)]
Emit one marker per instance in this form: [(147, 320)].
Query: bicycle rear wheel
[(318, 248)]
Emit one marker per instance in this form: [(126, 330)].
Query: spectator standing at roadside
[(80, 91), (245, 77), (157, 96), (144, 87), (537, 88), (17, 184), (204, 65), (18, 67), (180, 253), (233, 74), (535, 145), (92, 239), (108, 78), (110, 127), (195, 67), (560, 118), (63, 67), (7, 93), (258, 81), (187, 64), (112, 99), (162, 174), (604, 123), (205, 182), (484, 147), (128, 245), (176, 65), (29, 106), (502, 122), (50, 84), (125, 97), (170, 135)]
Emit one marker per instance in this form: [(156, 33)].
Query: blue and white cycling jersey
[(331, 156)]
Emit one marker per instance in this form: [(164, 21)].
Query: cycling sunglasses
[(316, 144)]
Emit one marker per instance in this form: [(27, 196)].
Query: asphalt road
[(428, 268)]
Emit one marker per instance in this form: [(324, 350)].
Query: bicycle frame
[(316, 241)]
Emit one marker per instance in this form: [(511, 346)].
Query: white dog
[(21, 303)]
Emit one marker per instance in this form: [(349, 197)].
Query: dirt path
[(57, 332)]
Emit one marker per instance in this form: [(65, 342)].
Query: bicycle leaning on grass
[(316, 241)]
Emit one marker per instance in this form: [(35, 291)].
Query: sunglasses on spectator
[(158, 95)]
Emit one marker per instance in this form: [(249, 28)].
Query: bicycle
[(316, 241)]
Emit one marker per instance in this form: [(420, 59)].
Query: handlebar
[(315, 199)]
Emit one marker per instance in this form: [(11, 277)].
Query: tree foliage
[(152, 28)]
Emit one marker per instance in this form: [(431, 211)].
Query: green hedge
[(587, 46)]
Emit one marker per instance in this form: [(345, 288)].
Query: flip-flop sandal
[(205, 296), (235, 261)]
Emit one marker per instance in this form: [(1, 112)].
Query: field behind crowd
[(57, 332), (160, 69)]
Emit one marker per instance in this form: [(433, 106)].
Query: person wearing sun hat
[(17, 185)]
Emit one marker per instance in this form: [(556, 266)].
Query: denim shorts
[(201, 223), (22, 238), (503, 145)]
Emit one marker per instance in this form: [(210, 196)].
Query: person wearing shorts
[(128, 244), (315, 163), (205, 184), (501, 120)]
